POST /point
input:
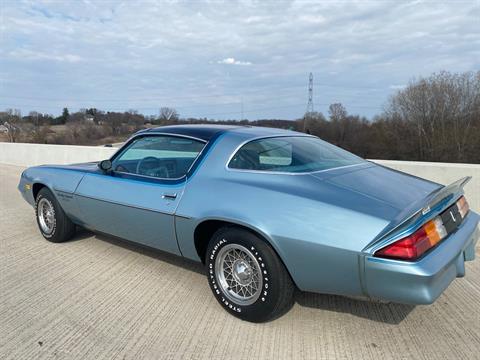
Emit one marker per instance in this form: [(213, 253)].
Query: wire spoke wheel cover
[(46, 216), (239, 275)]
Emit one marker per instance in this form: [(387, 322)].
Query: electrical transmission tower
[(310, 94), (309, 111)]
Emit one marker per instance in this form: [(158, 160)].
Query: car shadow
[(388, 313), (169, 258)]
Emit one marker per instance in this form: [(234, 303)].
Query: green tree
[(65, 115)]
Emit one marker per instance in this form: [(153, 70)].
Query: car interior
[(160, 156), (166, 168)]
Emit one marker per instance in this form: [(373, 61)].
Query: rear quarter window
[(293, 154)]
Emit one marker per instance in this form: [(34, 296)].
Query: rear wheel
[(52, 221), (247, 277)]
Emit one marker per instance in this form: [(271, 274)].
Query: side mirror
[(105, 165)]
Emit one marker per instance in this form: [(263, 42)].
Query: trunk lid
[(419, 212), (380, 184)]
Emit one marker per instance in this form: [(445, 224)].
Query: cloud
[(314, 19), (24, 54), (232, 61), (118, 54)]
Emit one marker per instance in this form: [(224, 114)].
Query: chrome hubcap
[(238, 273), (46, 216), (242, 272)]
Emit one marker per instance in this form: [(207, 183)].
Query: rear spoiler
[(418, 213)]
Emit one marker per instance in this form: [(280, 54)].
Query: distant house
[(89, 118)]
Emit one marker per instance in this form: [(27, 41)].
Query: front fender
[(25, 186), (61, 182)]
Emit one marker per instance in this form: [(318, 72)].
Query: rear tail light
[(428, 236), (463, 206)]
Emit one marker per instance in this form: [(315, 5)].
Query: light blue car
[(267, 211)]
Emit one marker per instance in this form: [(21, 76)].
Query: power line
[(167, 99), (133, 106), (253, 110), (309, 109)]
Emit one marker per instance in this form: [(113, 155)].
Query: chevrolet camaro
[(267, 211)]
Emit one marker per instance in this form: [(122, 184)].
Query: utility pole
[(309, 111)]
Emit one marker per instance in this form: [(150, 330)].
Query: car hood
[(84, 167)]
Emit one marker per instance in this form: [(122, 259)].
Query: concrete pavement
[(98, 298)]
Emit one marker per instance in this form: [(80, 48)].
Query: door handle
[(169, 196)]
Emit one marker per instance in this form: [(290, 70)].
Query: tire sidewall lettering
[(218, 292)]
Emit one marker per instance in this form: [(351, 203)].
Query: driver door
[(138, 198)]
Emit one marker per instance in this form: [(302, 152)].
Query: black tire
[(63, 228), (276, 287)]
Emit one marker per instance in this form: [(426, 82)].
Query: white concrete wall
[(443, 173), (37, 154)]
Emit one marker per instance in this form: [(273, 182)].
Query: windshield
[(293, 154)]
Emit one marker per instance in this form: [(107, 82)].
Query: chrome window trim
[(283, 172), (172, 134), (149, 177), (148, 133), (154, 133)]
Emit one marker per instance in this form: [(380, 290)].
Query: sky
[(222, 59)]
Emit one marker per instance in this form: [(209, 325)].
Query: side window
[(291, 154), (160, 156), (262, 155)]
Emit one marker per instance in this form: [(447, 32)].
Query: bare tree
[(312, 122), (168, 114), (337, 112), (11, 119), (338, 115), (114, 120), (443, 109)]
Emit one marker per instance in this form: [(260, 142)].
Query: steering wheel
[(153, 167)]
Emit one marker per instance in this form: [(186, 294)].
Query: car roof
[(199, 131), (208, 131)]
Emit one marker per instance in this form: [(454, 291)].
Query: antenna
[(309, 111)]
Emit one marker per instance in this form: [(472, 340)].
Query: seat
[(247, 159)]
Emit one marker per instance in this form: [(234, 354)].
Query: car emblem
[(453, 217), (425, 210)]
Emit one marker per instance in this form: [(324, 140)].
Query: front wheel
[(52, 221), (247, 277)]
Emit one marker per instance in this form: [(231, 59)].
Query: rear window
[(294, 154)]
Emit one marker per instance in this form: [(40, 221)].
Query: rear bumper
[(422, 282)]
